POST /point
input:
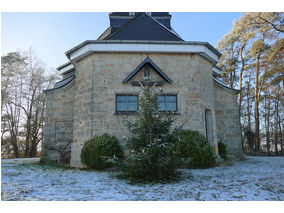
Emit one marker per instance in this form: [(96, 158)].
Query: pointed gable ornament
[(146, 63)]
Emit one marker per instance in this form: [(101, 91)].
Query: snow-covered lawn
[(257, 178)]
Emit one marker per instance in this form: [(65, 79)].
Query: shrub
[(97, 151), (222, 150), (194, 149)]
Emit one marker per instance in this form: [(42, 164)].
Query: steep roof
[(142, 27)]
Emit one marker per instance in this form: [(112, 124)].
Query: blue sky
[(52, 34)]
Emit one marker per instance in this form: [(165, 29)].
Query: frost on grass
[(257, 178)]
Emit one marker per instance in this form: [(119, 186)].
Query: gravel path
[(257, 178)]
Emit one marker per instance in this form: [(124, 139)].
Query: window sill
[(135, 113), (171, 113), (125, 113)]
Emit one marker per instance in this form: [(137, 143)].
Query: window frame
[(126, 112), (163, 111)]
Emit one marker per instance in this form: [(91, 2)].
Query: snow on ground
[(257, 178)]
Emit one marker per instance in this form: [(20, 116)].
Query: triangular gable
[(143, 27), (154, 67)]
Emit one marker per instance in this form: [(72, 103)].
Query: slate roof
[(154, 67), (220, 82), (63, 65), (141, 27), (61, 83)]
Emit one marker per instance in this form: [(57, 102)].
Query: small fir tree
[(151, 143)]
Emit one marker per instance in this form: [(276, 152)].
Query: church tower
[(155, 26)]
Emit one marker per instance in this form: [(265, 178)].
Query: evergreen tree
[(151, 143)]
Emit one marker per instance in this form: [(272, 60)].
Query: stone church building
[(101, 83)]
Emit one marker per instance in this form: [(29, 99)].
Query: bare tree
[(23, 79), (12, 95)]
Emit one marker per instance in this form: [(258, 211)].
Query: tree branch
[(269, 22)]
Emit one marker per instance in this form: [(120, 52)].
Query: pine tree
[(151, 143)]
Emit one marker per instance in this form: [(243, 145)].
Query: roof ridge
[(164, 26), (102, 34), (173, 31), (122, 26)]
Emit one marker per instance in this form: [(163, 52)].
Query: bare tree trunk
[(241, 79), (276, 128), (248, 104), (256, 103), (13, 130), (240, 88), (278, 120), (34, 136), (28, 132), (268, 123), (33, 149), (265, 119), (29, 120), (15, 145)]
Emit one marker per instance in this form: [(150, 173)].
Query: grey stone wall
[(86, 106), (227, 119), (58, 129), (99, 78)]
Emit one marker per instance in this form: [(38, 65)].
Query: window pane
[(121, 106), (132, 98), (162, 106), (121, 98), (132, 107), (167, 102), (171, 98), (161, 98), (171, 107)]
